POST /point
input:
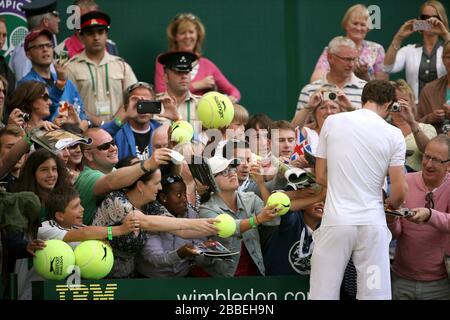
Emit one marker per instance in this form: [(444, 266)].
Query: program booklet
[(214, 249), (201, 171), (56, 140)]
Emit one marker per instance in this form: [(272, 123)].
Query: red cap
[(31, 36)]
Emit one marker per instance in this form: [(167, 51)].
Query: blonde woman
[(422, 62), (356, 24), (416, 134), (187, 33)]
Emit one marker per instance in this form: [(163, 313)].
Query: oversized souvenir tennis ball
[(215, 110), (55, 261), (94, 258), (226, 225), (281, 200), (181, 132)]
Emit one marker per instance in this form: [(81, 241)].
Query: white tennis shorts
[(333, 246)]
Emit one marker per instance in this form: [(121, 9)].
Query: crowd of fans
[(126, 179)]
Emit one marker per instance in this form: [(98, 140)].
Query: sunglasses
[(189, 16), (429, 200), (138, 85), (105, 146), (45, 96), (426, 17)]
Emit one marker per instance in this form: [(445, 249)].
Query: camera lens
[(332, 96)]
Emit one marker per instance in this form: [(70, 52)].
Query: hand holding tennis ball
[(226, 225), (282, 202)]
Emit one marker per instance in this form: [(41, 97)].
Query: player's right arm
[(399, 187)]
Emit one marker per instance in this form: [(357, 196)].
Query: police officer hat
[(178, 60)]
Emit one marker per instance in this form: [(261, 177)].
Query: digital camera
[(329, 95), (395, 107), (26, 117)]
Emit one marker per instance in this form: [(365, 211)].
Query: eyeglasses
[(435, 161), (104, 146), (429, 201), (41, 46), (227, 172), (346, 59), (45, 96), (426, 17)]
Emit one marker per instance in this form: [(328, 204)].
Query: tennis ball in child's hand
[(55, 261), (226, 225), (182, 132), (94, 258), (281, 200)]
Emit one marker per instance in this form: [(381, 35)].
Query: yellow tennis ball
[(94, 258), (281, 200), (215, 110), (226, 225), (181, 132), (55, 261)]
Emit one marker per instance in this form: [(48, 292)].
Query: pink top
[(206, 68), (421, 247), (371, 53)]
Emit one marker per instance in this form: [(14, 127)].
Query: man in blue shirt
[(39, 49), (135, 137)]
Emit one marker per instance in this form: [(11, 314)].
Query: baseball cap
[(218, 164), (31, 36)]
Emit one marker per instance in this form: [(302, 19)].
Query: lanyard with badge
[(102, 108)]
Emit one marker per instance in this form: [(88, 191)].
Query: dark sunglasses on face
[(105, 146), (45, 96)]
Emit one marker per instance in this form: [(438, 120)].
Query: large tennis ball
[(181, 132), (215, 110), (55, 261), (226, 225), (94, 258), (281, 200)]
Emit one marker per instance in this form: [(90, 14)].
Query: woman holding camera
[(416, 134), (421, 62), (31, 102)]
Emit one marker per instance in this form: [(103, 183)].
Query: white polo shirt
[(359, 147)]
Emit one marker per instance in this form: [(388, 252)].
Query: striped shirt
[(352, 89), (50, 229)]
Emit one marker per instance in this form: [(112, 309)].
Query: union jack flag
[(301, 144)]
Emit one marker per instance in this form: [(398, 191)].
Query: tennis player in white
[(356, 151)]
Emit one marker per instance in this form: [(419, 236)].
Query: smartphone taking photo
[(148, 106)]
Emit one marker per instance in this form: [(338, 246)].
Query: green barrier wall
[(243, 288), (267, 48)]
